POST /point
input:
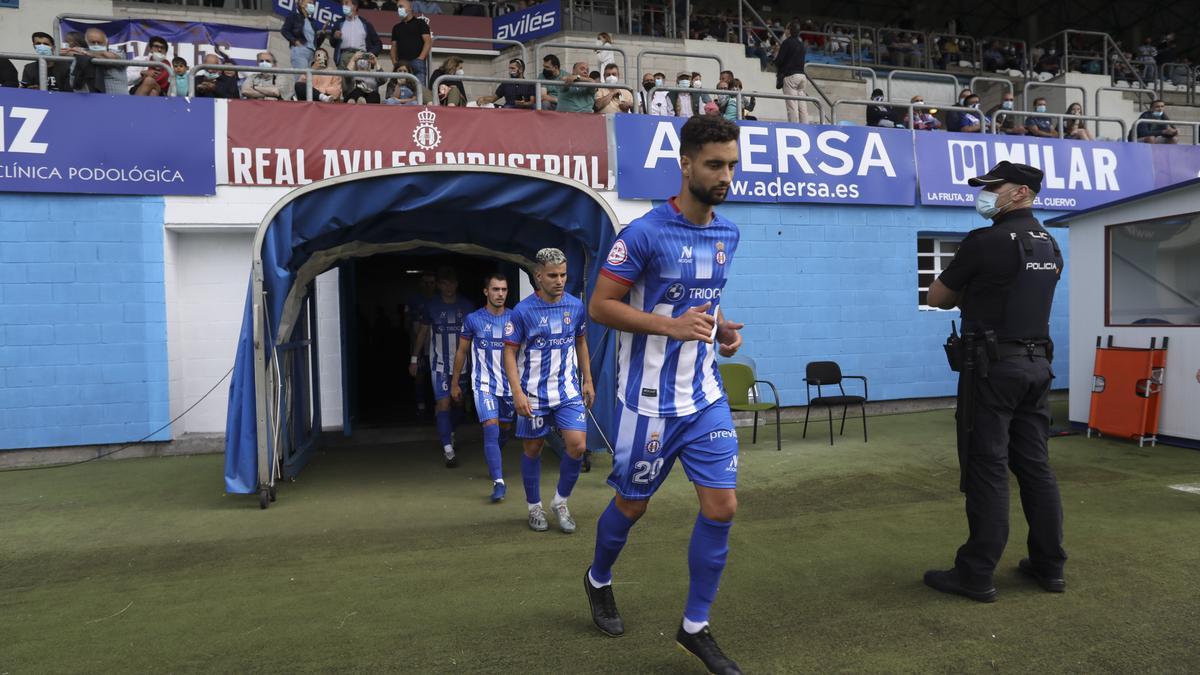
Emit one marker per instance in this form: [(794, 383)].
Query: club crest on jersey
[(721, 258), (567, 318), (674, 292), (653, 445), (508, 328), (618, 254)]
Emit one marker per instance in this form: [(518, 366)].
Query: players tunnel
[(501, 214)]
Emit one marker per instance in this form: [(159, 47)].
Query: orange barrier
[(1127, 385)]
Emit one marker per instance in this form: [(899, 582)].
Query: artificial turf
[(379, 559)]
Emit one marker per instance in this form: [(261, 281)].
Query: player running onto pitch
[(661, 287), (483, 335), (544, 341)]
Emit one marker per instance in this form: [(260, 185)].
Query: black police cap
[(1007, 172)]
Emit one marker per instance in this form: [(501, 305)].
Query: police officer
[(1003, 279)]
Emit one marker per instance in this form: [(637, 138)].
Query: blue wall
[(839, 283), (83, 333)]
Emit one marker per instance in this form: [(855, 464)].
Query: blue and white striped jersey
[(670, 266), (445, 321), (485, 332), (545, 335)]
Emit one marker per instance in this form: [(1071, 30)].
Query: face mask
[(919, 103), (647, 86), (685, 83), (460, 71), (1040, 108), (513, 75), (1157, 113), (311, 8), (697, 84), (547, 74), (44, 50), (974, 105), (658, 82), (265, 64), (346, 10), (876, 98), (985, 204), (611, 79), (402, 12), (1007, 105), (98, 48)]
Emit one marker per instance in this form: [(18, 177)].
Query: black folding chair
[(826, 374)]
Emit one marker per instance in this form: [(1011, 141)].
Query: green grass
[(378, 559)]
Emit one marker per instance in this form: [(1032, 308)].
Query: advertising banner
[(273, 143), (189, 40), (540, 20), (330, 12), (1078, 174), (778, 162), (92, 143)]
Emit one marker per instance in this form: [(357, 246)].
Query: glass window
[(934, 254), (1154, 272)]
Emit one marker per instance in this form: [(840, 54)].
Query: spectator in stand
[(1147, 58), (514, 95), (58, 73), (1006, 120), (726, 76), (1076, 128), (411, 40), (8, 74), (364, 89), (879, 115), (153, 81), (698, 83), (326, 88), (643, 102), (213, 83), (1049, 62), (90, 76), (266, 86), (974, 121), (551, 70), (574, 98), (921, 119), (950, 52), (613, 100), (789, 73), (954, 117), (402, 91), (684, 104), (1122, 68), (451, 66), (179, 80), (353, 34), (1157, 131), (748, 102), (427, 7), (450, 95), (604, 53), (901, 49), (661, 103), (1168, 51), (994, 59), (301, 32), (757, 49), (1042, 127), (726, 104)]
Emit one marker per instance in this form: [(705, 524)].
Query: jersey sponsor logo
[(509, 328), (558, 342), (539, 342), (722, 433), (653, 445), (649, 393), (543, 321), (706, 294), (618, 254), (1041, 266), (675, 292), (685, 255)]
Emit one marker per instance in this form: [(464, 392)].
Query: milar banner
[(277, 143), (778, 162), (92, 143)]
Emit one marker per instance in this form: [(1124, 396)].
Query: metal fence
[(1060, 117), (740, 96), (537, 85), (1194, 126), (487, 41), (1053, 85), (911, 107), (922, 75), (418, 89), (42, 64), (853, 70), (1007, 83), (933, 39), (1121, 90), (689, 55), (537, 54)]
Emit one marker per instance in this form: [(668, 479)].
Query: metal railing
[(1122, 90), (988, 39), (537, 54), (911, 107), (740, 95), (1109, 46), (487, 41), (934, 38), (1165, 74), (921, 75), (1008, 84), (1060, 117), (537, 85), (1195, 127), (43, 68), (857, 40), (853, 70), (685, 56), (1034, 84), (308, 73)]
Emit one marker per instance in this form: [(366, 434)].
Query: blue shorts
[(492, 407), (441, 385), (646, 448), (570, 416)]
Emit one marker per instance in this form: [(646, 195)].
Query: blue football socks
[(491, 450), (611, 532), (531, 475), (568, 474), (445, 427), (706, 560)]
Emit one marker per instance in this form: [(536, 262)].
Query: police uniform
[(1006, 274)]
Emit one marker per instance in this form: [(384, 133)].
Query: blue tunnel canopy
[(505, 213)]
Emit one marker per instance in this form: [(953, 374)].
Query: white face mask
[(402, 12), (1007, 105), (685, 83), (265, 64), (697, 84), (1040, 108), (985, 204), (460, 71), (611, 79)]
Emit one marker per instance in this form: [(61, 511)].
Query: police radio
[(953, 348)]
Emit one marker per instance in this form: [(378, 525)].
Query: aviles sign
[(535, 22)]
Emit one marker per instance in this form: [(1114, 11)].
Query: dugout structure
[(273, 422)]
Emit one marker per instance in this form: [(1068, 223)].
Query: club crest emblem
[(618, 254), (721, 258), (653, 445)]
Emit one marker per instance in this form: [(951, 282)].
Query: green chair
[(738, 379)]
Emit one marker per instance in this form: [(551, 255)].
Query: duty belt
[(1031, 350)]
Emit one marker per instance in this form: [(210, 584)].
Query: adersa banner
[(277, 143), (777, 162), (540, 20), (92, 143), (1078, 174), (189, 40)]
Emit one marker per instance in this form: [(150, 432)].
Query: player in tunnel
[(440, 325)]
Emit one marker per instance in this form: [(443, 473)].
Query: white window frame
[(939, 241)]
